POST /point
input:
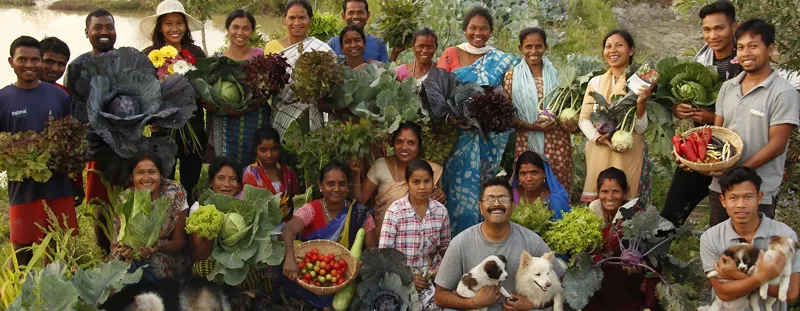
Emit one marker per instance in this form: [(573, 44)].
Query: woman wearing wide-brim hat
[(171, 25)]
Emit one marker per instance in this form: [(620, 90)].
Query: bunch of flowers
[(167, 61)]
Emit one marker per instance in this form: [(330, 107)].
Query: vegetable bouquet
[(220, 83), (316, 76), (21, 157), (266, 75), (566, 100), (398, 21), (61, 147), (616, 119), (688, 82), (536, 216), (577, 231)]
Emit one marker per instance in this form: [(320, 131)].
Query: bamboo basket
[(725, 135), (325, 247)]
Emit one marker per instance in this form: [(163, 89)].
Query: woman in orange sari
[(268, 173)]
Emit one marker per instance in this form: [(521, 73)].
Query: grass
[(588, 21), (18, 2)]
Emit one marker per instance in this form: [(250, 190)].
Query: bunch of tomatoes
[(321, 270)]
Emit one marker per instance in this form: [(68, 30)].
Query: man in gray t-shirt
[(496, 235), (762, 108)]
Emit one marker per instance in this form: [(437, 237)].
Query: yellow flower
[(157, 58), (170, 69), (169, 51)]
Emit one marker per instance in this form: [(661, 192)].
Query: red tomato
[(342, 262), (331, 256), (339, 281), (317, 283), (315, 251), (337, 266), (308, 254), (307, 276)]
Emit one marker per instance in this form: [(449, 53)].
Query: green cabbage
[(220, 83), (140, 221), (233, 229), (687, 82), (228, 91)]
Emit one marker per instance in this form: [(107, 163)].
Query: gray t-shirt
[(717, 239), (470, 248), (774, 101)]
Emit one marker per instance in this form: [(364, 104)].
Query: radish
[(622, 140)]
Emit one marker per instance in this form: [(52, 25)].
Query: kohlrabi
[(622, 140)]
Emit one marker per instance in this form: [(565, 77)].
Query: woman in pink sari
[(268, 173)]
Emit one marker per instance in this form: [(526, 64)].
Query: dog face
[(745, 256), (490, 271), (536, 270)]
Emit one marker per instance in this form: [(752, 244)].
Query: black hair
[(628, 39), (158, 37), (221, 162), (332, 167), (416, 165), (478, 11), (739, 175), (98, 13), (613, 173), (496, 181), (530, 31), (146, 155), (265, 133), (352, 27), (719, 6), (303, 3), (409, 125), (424, 32), (344, 4), (24, 41), (757, 26), (529, 157), (240, 13), (55, 45)]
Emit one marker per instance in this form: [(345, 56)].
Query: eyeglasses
[(492, 200)]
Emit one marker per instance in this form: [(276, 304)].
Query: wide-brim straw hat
[(148, 24)]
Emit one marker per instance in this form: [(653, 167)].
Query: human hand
[(543, 124), (121, 251), (604, 140), (704, 116), (420, 282), (768, 268), (439, 196), (145, 252), (290, 269), (355, 167), (683, 110), (683, 166), (570, 127), (460, 122), (644, 93), (726, 268), (486, 296), (518, 303)]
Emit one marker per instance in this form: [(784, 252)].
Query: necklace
[(525, 192), (325, 208)]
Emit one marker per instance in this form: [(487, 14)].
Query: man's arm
[(445, 298), (718, 121), (778, 139), (739, 288)]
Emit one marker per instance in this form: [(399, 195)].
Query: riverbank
[(17, 2), (266, 7)]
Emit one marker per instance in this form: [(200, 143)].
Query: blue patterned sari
[(474, 158)]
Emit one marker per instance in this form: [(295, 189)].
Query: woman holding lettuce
[(171, 25), (333, 218), (168, 257), (297, 16)]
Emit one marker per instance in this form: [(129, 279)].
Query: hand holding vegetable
[(683, 110), (121, 251), (420, 282), (543, 124), (604, 141), (704, 116), (145, 252)]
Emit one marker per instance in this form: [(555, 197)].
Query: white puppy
[(538, 282), (491, 271), (777, 245)]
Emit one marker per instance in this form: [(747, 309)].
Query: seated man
[(740, 197), (496, 235)]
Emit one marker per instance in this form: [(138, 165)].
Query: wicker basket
[(723, 134), (325, 247)]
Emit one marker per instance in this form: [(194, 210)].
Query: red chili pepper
[(707, 134), (689, 150), (700, 142), (676, 142)]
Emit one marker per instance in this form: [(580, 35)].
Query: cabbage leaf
[(220, 83), (140, 221)]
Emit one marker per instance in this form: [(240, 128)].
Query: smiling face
[(718, 32), (146, 176), (101, 33), (334, 186), (53, 66), (268, 152), (296, 21), (617, 52), (420, 185), (531, 177), (240, 31), (406, 146), (225, 182), (173, 27), (27, 64), (478, 31), (353, 44), (424, 48), (752, 52), (355, 13), (611, 195), (741, 202), (496, 212), (533, 48)]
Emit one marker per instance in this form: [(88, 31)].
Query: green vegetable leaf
[(140, 225), (94, 286), (581, 281), (646, 224), (676, 297), (578, 230)]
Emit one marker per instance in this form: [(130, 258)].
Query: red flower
[(189, 57)]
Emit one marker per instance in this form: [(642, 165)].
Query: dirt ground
[(657, 30)]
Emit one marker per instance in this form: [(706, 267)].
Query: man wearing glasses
[(496, 235)]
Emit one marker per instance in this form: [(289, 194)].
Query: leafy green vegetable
[(206, 221), (316, 76), (535, 216), (67, 145), (21, 157), (582, 281), (267, 75), (140, 220), (676, 297), (325, 25), (445, 137), (398, 21), (573, 78), (688, 82), (245, 241), (220, 83), (386, 282), (577, 231)]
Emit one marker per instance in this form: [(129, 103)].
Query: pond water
[(39, 22)]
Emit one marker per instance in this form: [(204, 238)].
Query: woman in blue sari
[(534, 180), (332, 218), (474, 158)]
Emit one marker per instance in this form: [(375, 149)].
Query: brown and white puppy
[(491, 271), (745, 256), (777, 245)]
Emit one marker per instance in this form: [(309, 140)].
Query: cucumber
[(342, 298)]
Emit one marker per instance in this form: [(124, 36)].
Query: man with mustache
[(719, 24), (27, 105), (356, 12), (763, 109), (55, 55), (496, 235)]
